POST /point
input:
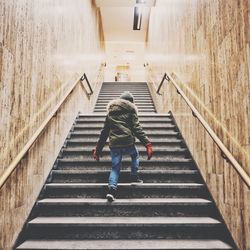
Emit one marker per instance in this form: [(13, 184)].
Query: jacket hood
[(121, 104), (127, 96)]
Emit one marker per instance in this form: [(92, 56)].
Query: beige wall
[(206, 46), (45, 46)]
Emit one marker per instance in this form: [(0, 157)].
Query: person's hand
[(149, 150), (95, 155)]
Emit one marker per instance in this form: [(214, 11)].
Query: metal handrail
[(165, 77), (7, 172), (225, 152), (84, 77)]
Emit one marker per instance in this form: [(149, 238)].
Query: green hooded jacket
[(121, 126)]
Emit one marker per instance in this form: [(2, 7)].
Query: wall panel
[(45, 46), (206, 47)]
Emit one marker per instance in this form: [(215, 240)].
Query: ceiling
[(123, 45), (117, 19)]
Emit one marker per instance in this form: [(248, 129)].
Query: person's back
[(122, 126)]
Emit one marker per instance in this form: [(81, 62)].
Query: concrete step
[(164, 153), (139, 111), (120, 91), (108, 98), (170, 164), (139, 146), (148, 176), (145, 109), (136, 99), (95, 136), (151, 116), (161, 244), (157, 143), (126, 190), (171, 207), (135, 102), (124, 87), (143, 120), (170, 157), (156, 126), (143, 96), (139, 106), (123, 228), (149, 132)]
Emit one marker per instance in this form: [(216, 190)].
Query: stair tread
[(167, 140), (132, 202), (143, 115), (144, 185), (154, 171), (152, 161), (123, 220), (124, 244), (83, 149), (153, 126)]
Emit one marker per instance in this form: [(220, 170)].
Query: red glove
[(95, 155), (149, 150)]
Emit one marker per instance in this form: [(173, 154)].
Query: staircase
[(171, 210), (111, 91)]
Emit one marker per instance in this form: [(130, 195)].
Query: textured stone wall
[(45, 46), (206, 47)]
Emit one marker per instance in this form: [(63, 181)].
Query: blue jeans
[(116, 155)]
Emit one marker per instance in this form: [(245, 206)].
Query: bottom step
[(124, 244)]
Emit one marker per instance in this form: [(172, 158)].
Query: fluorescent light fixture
[(137, 18)]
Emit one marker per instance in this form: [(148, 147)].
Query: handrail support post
[(165, 77), (84, 77)]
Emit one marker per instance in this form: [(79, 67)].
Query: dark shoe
[(111, 195), (135, 180)]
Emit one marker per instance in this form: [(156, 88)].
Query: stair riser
[(109, 98), (122, 89), (143, 154), (114, 232), (119, 92), (136, 102), (141, 116), (135, 93), (136, 99), (92, 144), (89, 166), (151, 134), (139, 110), (160, 127), (124, 210), (125, 192), (80, 151), (143, 121), (139, 107), (158, 146), (147, 165), (151, 121), (107, 158), (125, 178)]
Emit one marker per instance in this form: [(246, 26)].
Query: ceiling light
[(137, 18)]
